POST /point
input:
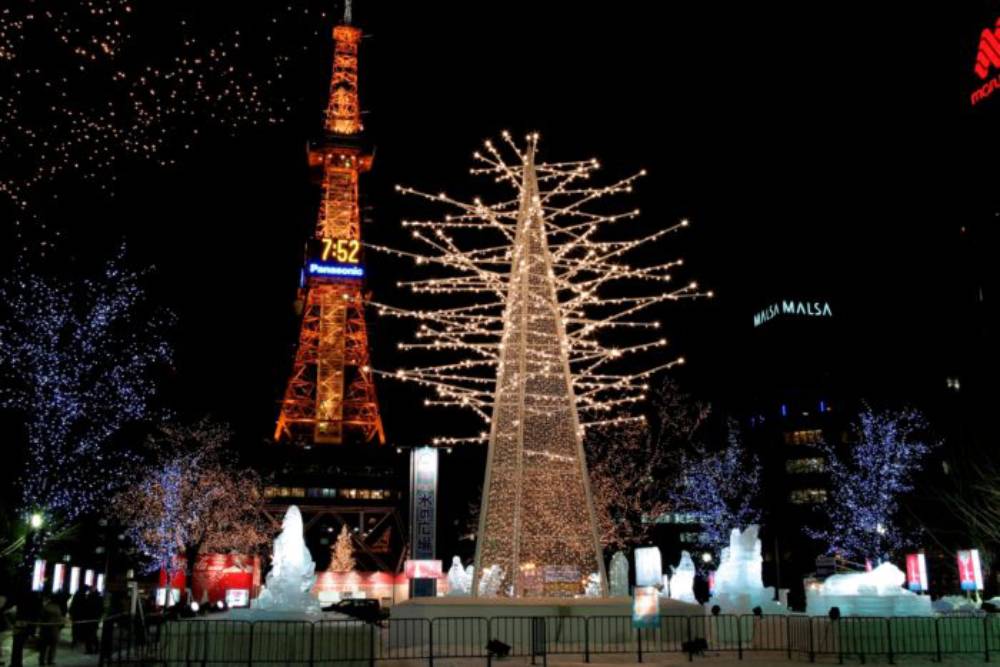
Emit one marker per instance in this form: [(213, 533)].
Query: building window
[(799, 466), (807, 496), (809, 437), (679, 518), (953, 384)]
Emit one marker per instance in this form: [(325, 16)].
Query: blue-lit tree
[(77, 360), (721, 487), (867, 481)]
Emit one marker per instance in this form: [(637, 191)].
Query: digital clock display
[(344, 251), (334, 258)]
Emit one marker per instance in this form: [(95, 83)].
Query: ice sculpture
[(459, 580), (619, 575), (490, 581), (682, 579), (291, 579), (876, 593), (739, 584)]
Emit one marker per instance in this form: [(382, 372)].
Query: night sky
[(821, 151)]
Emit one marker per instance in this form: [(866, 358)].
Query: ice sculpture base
[(465, 607), (557, 611), (869, 605)]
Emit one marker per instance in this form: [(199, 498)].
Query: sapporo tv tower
[(330, 395)]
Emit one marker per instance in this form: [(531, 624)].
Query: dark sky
[(821, 151)]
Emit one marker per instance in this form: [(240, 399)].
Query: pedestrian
[(94, 608), (4, 625), (77, 605), (50, 627)]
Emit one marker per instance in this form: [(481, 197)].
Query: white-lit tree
[(886, 450), (541, 319)]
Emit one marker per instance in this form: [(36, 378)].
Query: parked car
[(364, 609)]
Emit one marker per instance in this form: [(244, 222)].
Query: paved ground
[(66, 655)]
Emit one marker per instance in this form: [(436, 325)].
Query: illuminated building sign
[(334, 270), (423, 512), (423, 569), (237, 597), (794, 309), (334, 258), (987, 59)]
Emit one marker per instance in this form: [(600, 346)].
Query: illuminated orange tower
[(331, 391)]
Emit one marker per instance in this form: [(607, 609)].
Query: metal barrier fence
[(221, 643)]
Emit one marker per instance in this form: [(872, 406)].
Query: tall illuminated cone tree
[(529, 357)]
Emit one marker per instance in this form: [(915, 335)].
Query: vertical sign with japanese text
[(970, 572), (423, 512), (916, 572)]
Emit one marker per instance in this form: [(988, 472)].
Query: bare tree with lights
[(78, 360), (633, 466), (886, 451), (532, 290), (189, 501)]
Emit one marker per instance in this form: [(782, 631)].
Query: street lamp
[(36, 520), (706, 557)]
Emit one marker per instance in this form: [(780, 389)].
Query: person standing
[(94, 608), (50, 627), (77, 606)]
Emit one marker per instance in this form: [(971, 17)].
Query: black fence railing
[(220, 643)]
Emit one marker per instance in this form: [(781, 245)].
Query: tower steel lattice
[(331, 391)]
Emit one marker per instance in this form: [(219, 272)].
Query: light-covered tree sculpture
[(342, 552), (887, 449), (533, 291)]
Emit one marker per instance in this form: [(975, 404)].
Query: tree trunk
[(191, 554)]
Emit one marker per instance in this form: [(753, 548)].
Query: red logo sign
[(987, 58)]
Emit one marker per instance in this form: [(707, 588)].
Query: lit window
[(807, 496), (812, 464), (810, 437), (953, 384)]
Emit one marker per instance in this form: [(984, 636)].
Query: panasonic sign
[(794, 309)]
